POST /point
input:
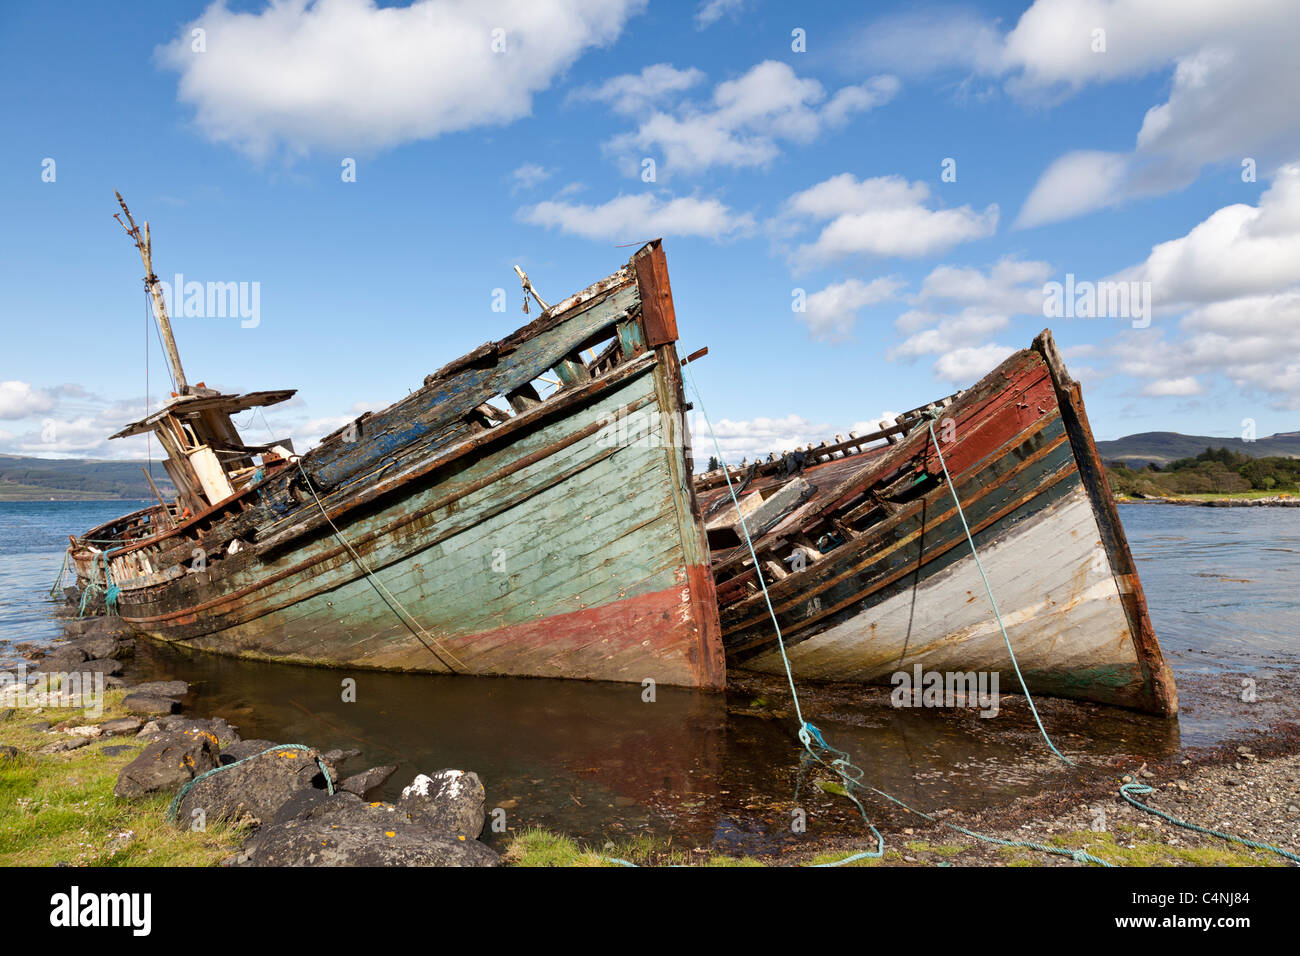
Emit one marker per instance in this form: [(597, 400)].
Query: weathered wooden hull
[(560, 542), (903, 590)]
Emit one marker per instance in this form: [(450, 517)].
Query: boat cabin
[(206, 459)]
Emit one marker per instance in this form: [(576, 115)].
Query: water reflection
[(599, 762)]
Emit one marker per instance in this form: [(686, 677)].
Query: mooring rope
[(388, 595), (63, 571), (180, 796), (841, 765), (952, 489), (1127, 790)]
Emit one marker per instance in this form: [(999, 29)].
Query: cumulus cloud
[(529, 175), (747, 120), (20, 400), (1239, 250), (711, 11), (1167, 387), (1230, 291), (831, 313), (881, 216), (756, 438), (632, 93), (1233, 83), (641, 216), (965, 366), (351, 75)]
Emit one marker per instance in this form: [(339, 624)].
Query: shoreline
[(1248, 783)]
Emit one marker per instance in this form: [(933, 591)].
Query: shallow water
[(713, 770)]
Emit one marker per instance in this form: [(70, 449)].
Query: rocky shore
[(284, 804)]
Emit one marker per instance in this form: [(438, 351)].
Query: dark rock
[(343, 830), (116, 750), (147, 704), (64, 745), (6, 713), (217, 726), (338, 758), (253, 790), (241, 749), (40, 727), (168, 763), (106, 667), (62, 659), (338, 808), (121, 726), (362, 783), (450, 801), (7, 752), (162, 688), (99, 647)]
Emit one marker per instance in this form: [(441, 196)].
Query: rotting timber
[(869, 568), (473, 527)]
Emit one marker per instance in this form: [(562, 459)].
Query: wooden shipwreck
[(473, 527), (870, 571)]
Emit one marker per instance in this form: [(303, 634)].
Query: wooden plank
[(658, 315)]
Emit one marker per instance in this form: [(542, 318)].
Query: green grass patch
[(60, 808)]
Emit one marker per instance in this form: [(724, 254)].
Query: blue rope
[(63, 571), (1127, 790), (952, 489), (176, 801), (841, 765)]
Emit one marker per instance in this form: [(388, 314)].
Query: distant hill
[(1139, 450), (77, 479)]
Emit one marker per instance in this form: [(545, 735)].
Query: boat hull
[(903, 590), (560, 541)]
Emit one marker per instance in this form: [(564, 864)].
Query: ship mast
[(145, 245)]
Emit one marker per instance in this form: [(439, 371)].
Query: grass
[(538, 847), (1137, 846), (60, 808)]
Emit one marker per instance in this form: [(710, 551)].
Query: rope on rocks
[(176, 801), (1127, 790)]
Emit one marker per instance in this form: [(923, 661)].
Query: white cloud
[(1012, 285), (529, 175), (882, 216), (747, 120), (711, 11), (1235, 277), (641, 216), (1240, 250), (1169, 387), (350, 75), (632, 93), (965, 366), (1077, 183), (831, 313), (756, 438), (973, 325), (1233, 90), (20, 400)]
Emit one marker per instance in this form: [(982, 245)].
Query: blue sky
[(1104, 140)]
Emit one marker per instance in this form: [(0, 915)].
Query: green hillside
[(1165, 447), (77, 479)]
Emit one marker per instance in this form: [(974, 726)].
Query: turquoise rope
[(63, 571), (952, 489), (841, 766), (176, 801), (1127, 790)]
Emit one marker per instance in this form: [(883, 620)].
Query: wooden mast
[(145, 245)]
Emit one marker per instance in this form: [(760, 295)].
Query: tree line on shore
[(1213, 471)]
